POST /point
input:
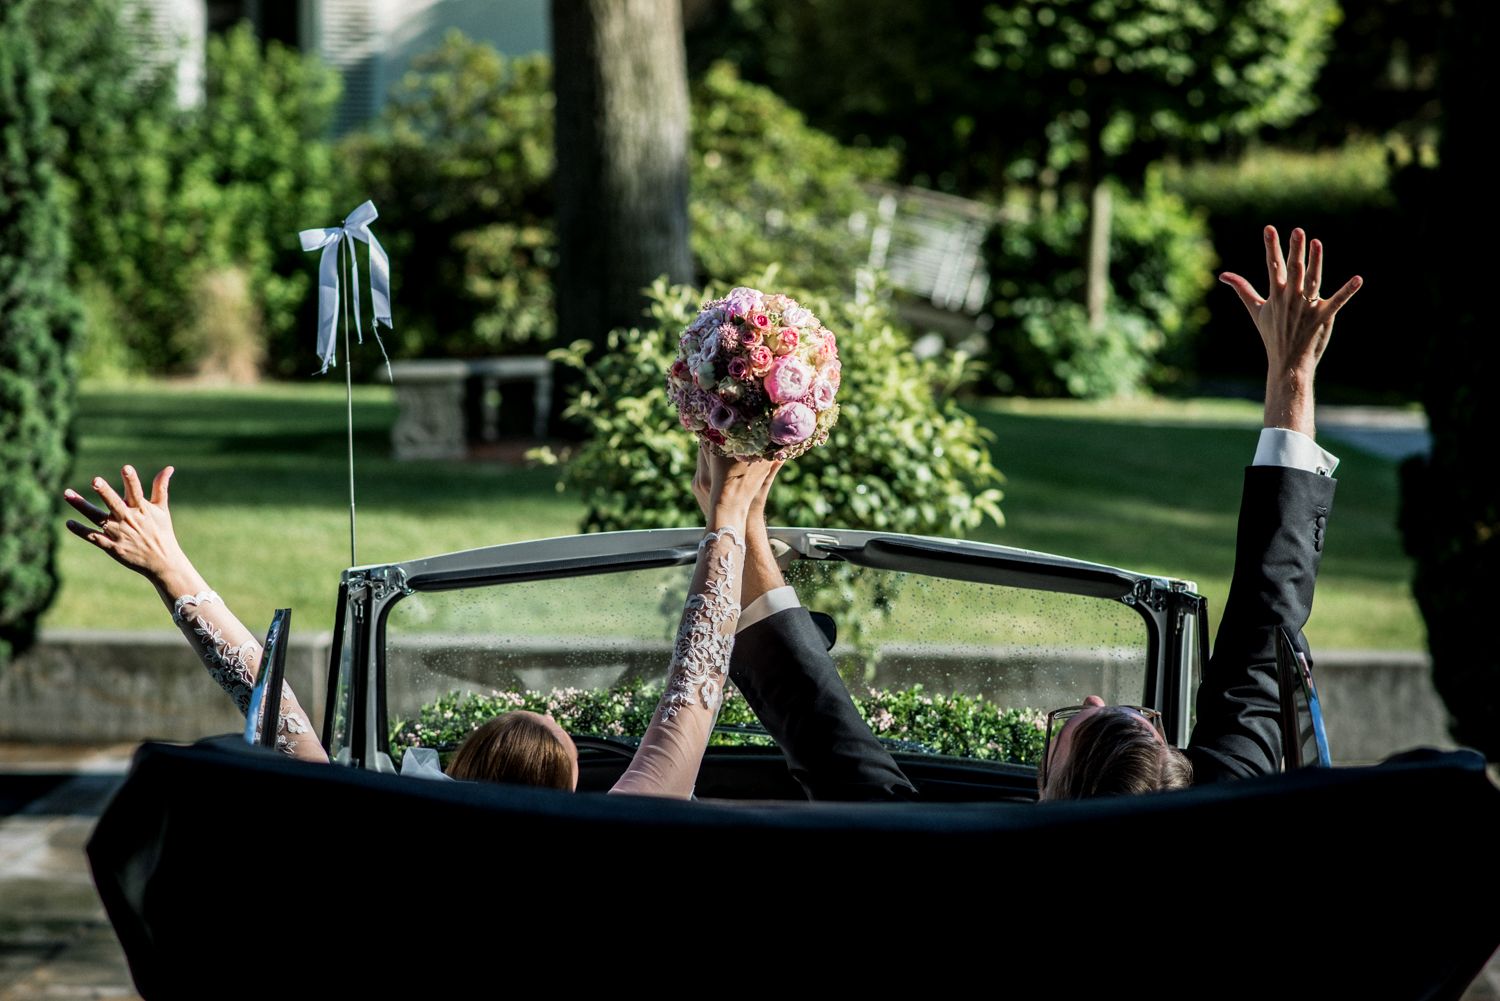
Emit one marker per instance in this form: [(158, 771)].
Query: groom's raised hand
[(1295, 325)]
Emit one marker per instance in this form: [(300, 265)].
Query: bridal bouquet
[(756, 375)]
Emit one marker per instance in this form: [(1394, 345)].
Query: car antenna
[(330, 240)]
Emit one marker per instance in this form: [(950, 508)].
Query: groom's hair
[(513, 747), (1114, 755)]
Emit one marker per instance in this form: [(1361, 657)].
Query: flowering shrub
[(906, 458), (961, 725), (912, 460), (755, 375)]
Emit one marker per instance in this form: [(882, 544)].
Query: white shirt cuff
[(1285, 447), (778, 599)]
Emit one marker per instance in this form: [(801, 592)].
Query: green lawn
[(1154, 486), (261, 504), (260, 501)]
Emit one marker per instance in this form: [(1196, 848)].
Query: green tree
[(1162, 264), (173, 196), (1112, 78), (103, 92), (461, 165), (769, 189), (37, 327)]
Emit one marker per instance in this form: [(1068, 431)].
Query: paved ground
[(1384, 431), (55, 942)]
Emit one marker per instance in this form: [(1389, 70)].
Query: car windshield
[(939, 666)]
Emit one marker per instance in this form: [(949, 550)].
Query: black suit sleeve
[(1279, 546), (781, 665)]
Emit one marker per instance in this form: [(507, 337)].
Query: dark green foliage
[(961, 725), (1451, 502), (1381, 78), (460, 164), (38, 323), (883, 73), (1108, 75), (1354, 200), (103, 93), (977, 95), (1161, 267)]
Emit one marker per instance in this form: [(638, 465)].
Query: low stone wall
[(90, 687), (1376, 703), (87, 686)]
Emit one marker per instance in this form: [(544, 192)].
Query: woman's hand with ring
[(136, 531)]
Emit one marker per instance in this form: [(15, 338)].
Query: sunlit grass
[(260, 501)]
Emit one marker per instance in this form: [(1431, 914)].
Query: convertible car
[(223, 863)]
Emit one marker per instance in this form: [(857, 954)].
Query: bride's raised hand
[(136, 531), (734, 485)]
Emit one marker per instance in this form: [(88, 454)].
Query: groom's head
[(1110, 751)]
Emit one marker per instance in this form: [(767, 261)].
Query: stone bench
[(431, 397)]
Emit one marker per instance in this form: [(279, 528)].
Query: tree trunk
[(622, 171), (1100, 210)]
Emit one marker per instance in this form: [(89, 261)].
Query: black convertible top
[(232, 872)]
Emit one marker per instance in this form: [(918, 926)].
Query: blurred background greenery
[(1117, 154), (1281, 114)]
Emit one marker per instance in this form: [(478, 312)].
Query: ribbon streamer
[(355, 227)]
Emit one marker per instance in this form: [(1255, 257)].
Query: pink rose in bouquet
[(756, 375), (760, 359), (788, 380)]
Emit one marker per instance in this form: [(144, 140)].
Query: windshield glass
[(935, 665)]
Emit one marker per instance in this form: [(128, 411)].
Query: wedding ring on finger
[(1310, 300)]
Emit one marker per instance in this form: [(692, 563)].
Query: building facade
[(370, 42)]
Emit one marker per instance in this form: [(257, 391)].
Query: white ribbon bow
[(357, 226)]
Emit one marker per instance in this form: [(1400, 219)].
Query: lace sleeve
[(233, 659), (667, 762)]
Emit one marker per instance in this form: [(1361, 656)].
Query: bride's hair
[(515, 747), (1114, 755)]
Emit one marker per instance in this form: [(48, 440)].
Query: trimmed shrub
[(922, 464), (960, 725), (38, 323)]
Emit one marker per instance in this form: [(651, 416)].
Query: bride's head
[(520, 747)]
